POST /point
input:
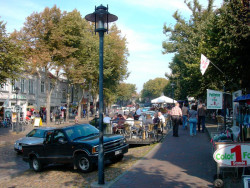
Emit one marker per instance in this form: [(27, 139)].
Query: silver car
[(35, 136)]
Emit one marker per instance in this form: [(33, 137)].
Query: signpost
[(214, 99)]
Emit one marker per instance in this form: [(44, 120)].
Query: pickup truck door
[(60, 149)]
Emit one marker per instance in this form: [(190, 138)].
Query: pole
[(173, 93), (224, 107), (17, 124), (101, 152)]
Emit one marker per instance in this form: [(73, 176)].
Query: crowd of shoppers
[(192, 115)]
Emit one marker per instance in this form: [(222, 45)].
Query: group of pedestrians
[(195, 116), (119, 121)]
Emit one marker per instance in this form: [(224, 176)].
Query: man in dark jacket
[(201, 116)]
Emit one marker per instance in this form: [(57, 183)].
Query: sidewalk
[(182, 161)]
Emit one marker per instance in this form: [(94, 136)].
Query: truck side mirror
[(62, 141)]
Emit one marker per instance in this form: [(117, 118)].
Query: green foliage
[(11, 57), (222, 36), (65, 42), (125, 92), (154, 88)]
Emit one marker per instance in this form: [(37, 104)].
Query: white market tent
[(163, 99)]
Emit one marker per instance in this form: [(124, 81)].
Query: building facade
[(32, 94)]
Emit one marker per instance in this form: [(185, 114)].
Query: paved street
[(183, 161), (10, 163)]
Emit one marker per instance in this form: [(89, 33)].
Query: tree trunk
[(68, 102), (48, 97), (79, 110), (94, 105), (88, 102)]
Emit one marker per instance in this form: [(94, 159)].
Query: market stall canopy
[(31, 107), (242, 98), (163, 99)]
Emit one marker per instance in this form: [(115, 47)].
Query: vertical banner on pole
[(214, 99), (235, 105)]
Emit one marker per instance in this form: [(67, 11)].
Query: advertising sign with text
[(233, 155), (214, 99)]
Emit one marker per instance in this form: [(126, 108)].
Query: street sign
[(214, 99)]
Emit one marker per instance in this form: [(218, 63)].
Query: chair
[(151, 130), (168, 121), (127, 129)]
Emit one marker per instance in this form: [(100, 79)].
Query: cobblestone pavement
[(16, 173), (11, 163)]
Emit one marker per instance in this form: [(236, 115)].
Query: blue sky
[(141, 21)]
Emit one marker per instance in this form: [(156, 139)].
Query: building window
[(51, 86), (22, 86), (13, 85), (4, 87), (31, 87), (42, 87)]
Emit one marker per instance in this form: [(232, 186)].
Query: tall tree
[(153, 88), (11, 57), (44, 49), (221, 35), (125, 93)]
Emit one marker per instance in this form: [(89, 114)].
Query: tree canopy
[(153, 88), (125, 92), (11, 57), (222, 35)]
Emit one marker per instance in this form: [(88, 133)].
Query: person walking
[(201, 116), (176, 114), (192, 115), (184, 116)]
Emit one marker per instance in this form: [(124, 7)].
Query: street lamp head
[(17, 89), (101, 17), (172, 84)]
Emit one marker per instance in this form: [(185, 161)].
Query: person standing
[(184, 116), (201, 116), (137, 112), (162, 120), (192, 115), (176, 114)]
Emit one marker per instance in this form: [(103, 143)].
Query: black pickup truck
[(77, 145)]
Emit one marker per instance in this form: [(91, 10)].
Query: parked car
[(77, 145), (150, 112), (35, 136), (145, 109)]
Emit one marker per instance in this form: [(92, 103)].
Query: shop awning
[(242, 98)]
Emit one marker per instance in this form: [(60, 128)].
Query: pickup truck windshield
[(81, 131), (39, 133)]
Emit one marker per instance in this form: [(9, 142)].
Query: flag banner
[(204, 64)]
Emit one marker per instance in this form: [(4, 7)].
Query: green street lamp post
[(101, 17), (172, 85), (17, 89)]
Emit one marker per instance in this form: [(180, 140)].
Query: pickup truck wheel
[(84, 163), (35, 164)]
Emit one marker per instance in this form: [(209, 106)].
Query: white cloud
[(160, 4), (137, 41)]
